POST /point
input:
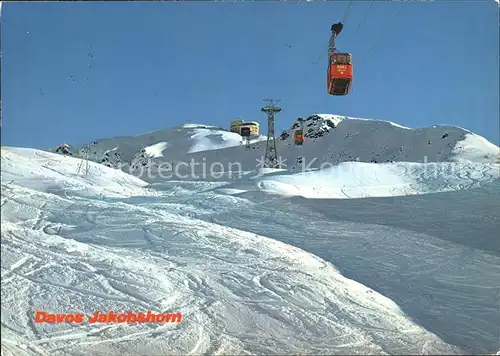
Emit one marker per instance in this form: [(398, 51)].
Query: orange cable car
[(339, 77), (340, 69), (298, 137)]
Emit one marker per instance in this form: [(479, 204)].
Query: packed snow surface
[(362, 180), (52, 173), (248, 275), (373, 264)]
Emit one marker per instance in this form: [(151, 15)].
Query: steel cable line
[(348, 11), (384, 32), (364, 17)]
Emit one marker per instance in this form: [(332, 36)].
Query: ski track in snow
[(236, 290), (251, 273)]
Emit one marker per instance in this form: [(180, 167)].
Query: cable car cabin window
[(341, 58)]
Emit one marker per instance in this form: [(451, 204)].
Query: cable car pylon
[(271, 158)]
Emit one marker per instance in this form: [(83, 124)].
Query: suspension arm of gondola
[(336, 29)]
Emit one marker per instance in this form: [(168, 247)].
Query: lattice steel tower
[(271, 159)]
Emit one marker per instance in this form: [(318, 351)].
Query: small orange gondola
[(298, 137), (340, 69)]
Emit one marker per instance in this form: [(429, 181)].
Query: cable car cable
[(348, 11), (364, 17), (385, 31)]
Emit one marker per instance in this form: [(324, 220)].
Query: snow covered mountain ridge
[(329, 139), (378, 141), (384, 139)]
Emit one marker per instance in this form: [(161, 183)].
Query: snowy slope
[(78, 250), (53, 173), (436, 255), (362, 180)]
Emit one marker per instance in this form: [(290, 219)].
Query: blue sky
[(79, 71)]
